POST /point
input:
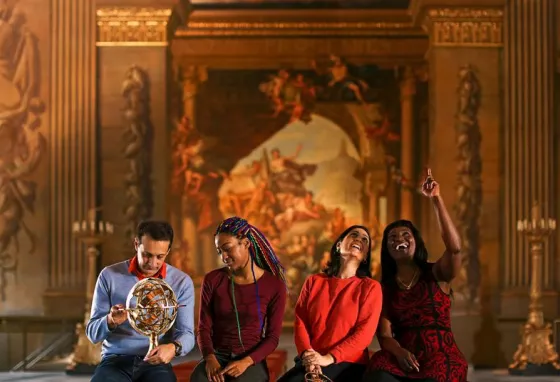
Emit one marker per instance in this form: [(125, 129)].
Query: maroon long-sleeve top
[(217, 325)]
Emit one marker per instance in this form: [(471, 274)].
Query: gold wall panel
[(130, 26)]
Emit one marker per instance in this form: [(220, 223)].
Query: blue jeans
[(130, 368)]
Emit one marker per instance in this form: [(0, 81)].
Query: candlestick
[(536, 354), (92, 232)]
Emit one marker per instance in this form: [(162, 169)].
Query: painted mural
[(301, 154), (301, 192)]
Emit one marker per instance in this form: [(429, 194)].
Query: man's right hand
[(213, 369), (116, 316)]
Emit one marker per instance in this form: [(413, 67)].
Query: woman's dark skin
[(445, 269)]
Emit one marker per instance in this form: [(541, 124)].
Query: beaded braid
[(260, 252)]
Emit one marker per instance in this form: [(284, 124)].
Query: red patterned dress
[(421, 323)]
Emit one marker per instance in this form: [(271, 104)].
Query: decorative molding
[(131, 26), (138, 139), (256, 53), (469, 178), (298, 23), (465, 27), (22, 145), (293, 29)]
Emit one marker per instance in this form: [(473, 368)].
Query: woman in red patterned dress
[(415, 327)]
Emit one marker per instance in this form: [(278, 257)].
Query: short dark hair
[(156, 230), (333, 266)]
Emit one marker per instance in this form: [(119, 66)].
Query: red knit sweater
[(338, 316)]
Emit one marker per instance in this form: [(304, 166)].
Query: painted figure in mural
[(337, 313), (290, 94), (124, 353), (416, 291), (341, 84), (241, 308), (21, 143), (287, 175)]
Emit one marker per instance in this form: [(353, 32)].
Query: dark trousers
[(254, 373), (337, 372), (130, 368), (383, 376)]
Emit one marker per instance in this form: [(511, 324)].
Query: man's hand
[(161, 354), (116, 316), (236, 368)]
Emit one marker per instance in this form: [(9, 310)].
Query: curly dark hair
[(333, 266)]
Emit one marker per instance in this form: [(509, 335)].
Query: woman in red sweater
[(337, 313), (415, 328), (241, 307)]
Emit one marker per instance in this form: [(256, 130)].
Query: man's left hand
[(236, 368), (161, 354)]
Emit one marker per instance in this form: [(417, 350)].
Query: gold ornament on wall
[(22, 145), (138, 136), (466, 27), (469, 182), (131, 26)]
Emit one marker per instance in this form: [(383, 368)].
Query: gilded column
[(529, 69), (408, 90), (464, 72), (199, 261), (72, 149), (132, 44)]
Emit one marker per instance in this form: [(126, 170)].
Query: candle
[(84, 225), (92, 225), (109, 228), (101, 227), (519, 225), (76, 227)]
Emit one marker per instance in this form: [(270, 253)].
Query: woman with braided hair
[(337, 313), (241, 307)]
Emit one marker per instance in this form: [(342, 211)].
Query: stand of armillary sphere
[(92, 233), (535, 354)]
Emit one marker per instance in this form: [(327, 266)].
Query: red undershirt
[(134, 268)]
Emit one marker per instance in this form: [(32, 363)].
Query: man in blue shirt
[(124, 352)]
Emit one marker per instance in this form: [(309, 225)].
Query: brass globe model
[(151, 308)]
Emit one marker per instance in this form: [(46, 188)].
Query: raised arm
[(97, 328), (301, 331), (184, 324), (448, 266), (204, 330), (274, 317), (361, 335)]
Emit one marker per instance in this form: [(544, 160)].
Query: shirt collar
[(135, 270)]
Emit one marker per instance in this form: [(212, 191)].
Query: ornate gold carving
[(22, 145), (137, 152), (198, 29), (465, 27), (130, 26), (469, 187)]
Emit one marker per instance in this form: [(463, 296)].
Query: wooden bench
[(276, 363)]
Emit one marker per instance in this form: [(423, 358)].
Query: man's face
[(151, 254)]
